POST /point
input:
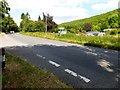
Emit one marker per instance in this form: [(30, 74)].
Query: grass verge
[(21, 74), (107, 42)]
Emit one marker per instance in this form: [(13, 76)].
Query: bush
[(56, 30), (72, 30), (83, 31), (114, 32)]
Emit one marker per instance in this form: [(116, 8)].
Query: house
[(92, 33), (97, 33), (107, 30), (62, 32), (101, 34)]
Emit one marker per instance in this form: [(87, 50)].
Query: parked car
[(12, 32)]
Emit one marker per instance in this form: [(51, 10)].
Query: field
[(21, 74), (107, 42)]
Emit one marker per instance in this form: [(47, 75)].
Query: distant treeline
[(7, 23), (27, 25), (95, 23)]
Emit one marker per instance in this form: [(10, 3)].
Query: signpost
[(61, 30), (3, 58)]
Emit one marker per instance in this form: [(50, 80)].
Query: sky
[(61, 10)]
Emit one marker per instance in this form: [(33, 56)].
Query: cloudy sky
[(61, 10)]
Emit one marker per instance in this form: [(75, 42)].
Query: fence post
[(3, 58)]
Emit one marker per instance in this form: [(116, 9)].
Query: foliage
[(72, 30), (51, 25), (28, 25), (11, 25), (39, 18), (39, 26), (56, 30), (99, 22), (114, 32), (7, 23), (88, 26), (107, 42)]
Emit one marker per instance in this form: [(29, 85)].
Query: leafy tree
[(24, 24), (7, 23), (96, 28), (28, 25), (4, 12), (104, 24), (39, 26), (88, 26), (51, 25), (11, 25), (22, 16), (39, 18)]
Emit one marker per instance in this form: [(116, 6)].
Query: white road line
[(84, 78), (71, 72), (43, 57), (76, 75), (39, 55), (53, 63)]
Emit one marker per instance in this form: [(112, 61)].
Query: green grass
[(107, 42), (21, 74)]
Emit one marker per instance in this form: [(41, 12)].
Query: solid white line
[(75, 74), (71, 72), (53, 63)]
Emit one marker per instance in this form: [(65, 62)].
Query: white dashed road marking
[(39, 55), (67, 70), (53, 63), (76, 75), (84, 78), (43, 57), (71, 72)]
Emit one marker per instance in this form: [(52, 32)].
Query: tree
[(28, 25), (11, 25), (88, 26), (39, 26), (39, 18), (22, 16), (4, 12), (4, 8), (51, 25)]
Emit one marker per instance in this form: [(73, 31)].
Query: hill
[(98, 22)]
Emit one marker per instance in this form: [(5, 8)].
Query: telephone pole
[(46, 23)]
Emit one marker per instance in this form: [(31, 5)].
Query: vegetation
[(6, 22), (107, 42), (27, 25), (51, 25), (21, 74), (98, 23)]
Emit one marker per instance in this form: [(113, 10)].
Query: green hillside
[(98, 22)]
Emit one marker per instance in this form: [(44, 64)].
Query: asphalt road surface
[(76, 65)]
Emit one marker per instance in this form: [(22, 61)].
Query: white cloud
[(61, 10), (56, 8), (108, 5)]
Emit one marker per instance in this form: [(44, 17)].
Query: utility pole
[(46, 23)]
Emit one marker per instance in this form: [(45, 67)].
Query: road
[(76, 65)]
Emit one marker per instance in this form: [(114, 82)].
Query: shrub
[(114, 32)]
